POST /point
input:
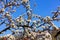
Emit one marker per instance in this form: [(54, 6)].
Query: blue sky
[(42, 8), (45, 8)]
